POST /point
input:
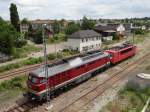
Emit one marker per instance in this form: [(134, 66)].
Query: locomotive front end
[(36, 87)]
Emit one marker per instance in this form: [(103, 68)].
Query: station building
[(84, 40)]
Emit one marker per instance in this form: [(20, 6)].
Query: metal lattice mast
[(46, 68)]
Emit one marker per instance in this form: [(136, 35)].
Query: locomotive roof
[(66, 64), (120, 47)]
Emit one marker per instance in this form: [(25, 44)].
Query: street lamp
[(49, 106)]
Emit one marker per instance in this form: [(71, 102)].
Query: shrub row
[(32, 61), (15, 83), (29, 61)]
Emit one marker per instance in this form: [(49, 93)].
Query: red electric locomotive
[(74, 69), (122, 52)]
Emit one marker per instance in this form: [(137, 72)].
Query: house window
[(86, 39), (82, 40), (85, 48)]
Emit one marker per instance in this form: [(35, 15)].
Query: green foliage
[(7, 37), (71, 28), (25, 21), (20, 41), (57, 38), (37, 36), (14, 17), (115, 37), (51, 56), (139, 32), (25, 50), (148, 67), (32, 61), (67, 52), (87, 24), (29, 61), (56, 27), (132, 98), (14, 83)]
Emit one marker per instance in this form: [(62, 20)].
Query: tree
[(14, 17), (37, 36), (8, 36), (87, 24), (56, 27), (71, 28), (30, 31), (25, 21)]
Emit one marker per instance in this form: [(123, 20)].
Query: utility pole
[(133, 36), (49, 106)]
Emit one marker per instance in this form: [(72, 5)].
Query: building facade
[(84, 40), (24, 28), (109, 30)]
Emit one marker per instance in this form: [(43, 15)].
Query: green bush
[(20, 43), (29, 61), (51, 56), (15, 83), (139, 32)]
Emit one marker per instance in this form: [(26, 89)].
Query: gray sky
[(76, 9)]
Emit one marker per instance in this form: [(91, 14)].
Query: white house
[(84, 40)]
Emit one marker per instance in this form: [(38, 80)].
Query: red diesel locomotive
[(75, 69)]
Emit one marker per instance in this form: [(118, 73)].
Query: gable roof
[(111, 27), (106, 28), (84, 34)]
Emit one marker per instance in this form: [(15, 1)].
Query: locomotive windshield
[(33, 79)]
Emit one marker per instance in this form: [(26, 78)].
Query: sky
[(76, 9)]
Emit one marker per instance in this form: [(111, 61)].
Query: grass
[(148, 67), (25, 50), (17, 83), (131, 99), (61, 37), (11, 88), (29, 61)]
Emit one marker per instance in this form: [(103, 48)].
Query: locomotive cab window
[(42, 80), (33, 79)]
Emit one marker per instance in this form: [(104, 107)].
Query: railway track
[(26, 69), (22, 70), (84, 100), (24, 107), (87, 97)]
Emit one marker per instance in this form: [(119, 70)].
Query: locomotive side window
[(125, 51), (110, 56)]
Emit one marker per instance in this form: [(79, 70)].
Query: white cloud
[(31, 3), (76, 9)]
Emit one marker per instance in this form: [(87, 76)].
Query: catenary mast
[(49, 106)]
